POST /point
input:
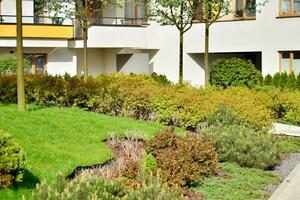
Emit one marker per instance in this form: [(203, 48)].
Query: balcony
[(37, 27)]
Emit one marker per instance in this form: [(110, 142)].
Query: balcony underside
[(38, 31)]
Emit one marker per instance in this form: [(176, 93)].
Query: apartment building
[(123, 41)]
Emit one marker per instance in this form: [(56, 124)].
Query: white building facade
[(122, 41)]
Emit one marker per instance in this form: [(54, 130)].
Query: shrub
[(245, 146), (298, 82), (234, 72), (268, 80), (160, 79), (8, 64), (12, 161), (276, 80), (84, 188), (283, 79), (183, 161), (87, 187), (291, 83)]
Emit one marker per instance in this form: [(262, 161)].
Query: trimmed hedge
[(234, 72), (12, 161), (141, 97), (289, 81)]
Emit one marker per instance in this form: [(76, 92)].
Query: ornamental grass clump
[(183, 161), (12, 161)]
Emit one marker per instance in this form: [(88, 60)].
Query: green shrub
[(223, 117), (234, 72), (183, 161), (12, 161), (8, 64), (245, 146), (160, 79), (283, 79), (298, 82), (276, 80), (291, 83), (268, 80)]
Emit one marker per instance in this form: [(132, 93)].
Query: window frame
[(291, 14), (291, 52), (245, 16), (33, 61)]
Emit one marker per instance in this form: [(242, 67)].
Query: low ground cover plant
[(12, 161), (141, 97)]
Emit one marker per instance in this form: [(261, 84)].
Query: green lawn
[(60, 139), (243, 184)]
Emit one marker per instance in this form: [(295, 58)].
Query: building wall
[(9, 7)]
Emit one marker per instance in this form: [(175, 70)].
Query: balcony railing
[(11, 19), (105, 21)]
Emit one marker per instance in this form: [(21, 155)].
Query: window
[(245, 8), (290, 61), (38, 63), (289, 7), (134, 9)]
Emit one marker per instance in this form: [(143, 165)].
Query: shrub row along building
[(122, 40)]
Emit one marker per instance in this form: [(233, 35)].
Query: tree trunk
[(181, 57), (85, 54), (206, 55), (20, 62)]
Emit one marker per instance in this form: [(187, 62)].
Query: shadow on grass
[(29, 181)]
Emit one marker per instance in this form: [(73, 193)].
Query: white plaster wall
[(10, 42), (138, 64), (9, 7), (61, 61), (266, 34), (95, 61)]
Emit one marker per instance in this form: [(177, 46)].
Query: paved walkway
[(284, 129), (290, 187)]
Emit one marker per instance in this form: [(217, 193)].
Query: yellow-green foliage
[(12, 161), (142, 97)]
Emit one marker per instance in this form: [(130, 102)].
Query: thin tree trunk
[(20, 62), (206, 55), (85, 54), (181, 58)]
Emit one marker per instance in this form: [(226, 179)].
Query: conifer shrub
[(291, 83), (97, 188), (245, 146), (234, 72), (183, 161), (268, 80), (12, 161), (276, 80), (298, 82)]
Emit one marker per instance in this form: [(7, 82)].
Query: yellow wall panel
[(37, 31)]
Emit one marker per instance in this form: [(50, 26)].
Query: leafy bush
[(161, 79), (268, 80), (141, 97), (183, 161), (234, 72), (245, 146), (86, 188), (12, 161), (8, 64)]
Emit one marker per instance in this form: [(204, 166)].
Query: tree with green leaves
[(213, 10), (178, 13), (85, 12), (20, 63)]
